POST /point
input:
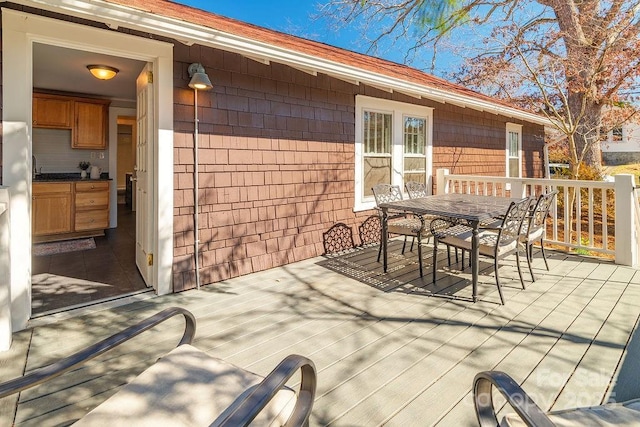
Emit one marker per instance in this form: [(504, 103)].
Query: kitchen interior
[(83, 190)]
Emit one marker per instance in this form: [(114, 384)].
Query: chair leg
[(413, 239), (495, 267), (419, 253), (529, 259), (435, 259), (379, 251), (520, 270), (462, 268), (544, 257), (404, 244)]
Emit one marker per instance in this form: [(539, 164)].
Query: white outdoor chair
[(528, 413)]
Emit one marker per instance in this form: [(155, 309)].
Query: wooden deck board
[(390, 349)]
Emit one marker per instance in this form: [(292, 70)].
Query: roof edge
[(115, 15)]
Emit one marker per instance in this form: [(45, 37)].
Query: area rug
[(54, 248)]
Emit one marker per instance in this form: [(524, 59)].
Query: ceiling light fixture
[(102, 72)]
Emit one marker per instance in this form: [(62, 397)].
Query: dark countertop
[(72, 176)]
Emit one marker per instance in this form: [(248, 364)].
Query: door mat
[(54, 248)]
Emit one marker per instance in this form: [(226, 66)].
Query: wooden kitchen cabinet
[(52, 208), (50, 111), (86, 117), (90, 128), (91, 205), (68, 210)]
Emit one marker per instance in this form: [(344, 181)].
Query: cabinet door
[(51, 209), (52, 112), (90, 129)]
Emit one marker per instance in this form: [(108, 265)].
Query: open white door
[(145, 225)]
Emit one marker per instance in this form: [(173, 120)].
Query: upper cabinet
[(87, 118), (90, 129), (52, 111)]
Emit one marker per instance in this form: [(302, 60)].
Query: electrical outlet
[(93, 155), (101, 155)]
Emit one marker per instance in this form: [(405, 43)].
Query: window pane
[(414, 135), (514, 167), (415, 140), (616, 134), (514, 148), (377, 170), (377, 132)]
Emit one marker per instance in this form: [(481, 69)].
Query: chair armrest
[(519, 400), (60, 367), (249, 408)]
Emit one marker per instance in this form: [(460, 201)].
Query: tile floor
[(74, 279)]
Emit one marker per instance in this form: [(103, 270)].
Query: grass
[(632, 169)]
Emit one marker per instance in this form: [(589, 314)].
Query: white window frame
[(398, 110), (513, 128)]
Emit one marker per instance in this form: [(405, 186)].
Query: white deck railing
[(609, 217)]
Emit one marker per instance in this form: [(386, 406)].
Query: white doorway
[(20, 32)]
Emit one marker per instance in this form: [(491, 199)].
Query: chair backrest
[(385, 193), (541, 211), (338, 238), (415, 190), (513, 219)]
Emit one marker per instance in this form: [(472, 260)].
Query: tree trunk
[(587, 114)]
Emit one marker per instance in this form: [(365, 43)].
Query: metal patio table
[(469, 207)]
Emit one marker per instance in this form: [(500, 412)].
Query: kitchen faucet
[(34, 166)]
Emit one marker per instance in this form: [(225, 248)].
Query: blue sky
[(297, 17)]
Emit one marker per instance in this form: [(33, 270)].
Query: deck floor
[(390, 349)]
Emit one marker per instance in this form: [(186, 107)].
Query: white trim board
[(188, 33), (19, 32)]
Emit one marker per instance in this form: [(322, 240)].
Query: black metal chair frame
[(245, 412), (524, 406), (505, 234), (535, 223), (403, 226)]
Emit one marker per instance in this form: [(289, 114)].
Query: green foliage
[(84, 165), (583, 242)]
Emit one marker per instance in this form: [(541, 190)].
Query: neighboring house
[(292, 136), (622, 145)]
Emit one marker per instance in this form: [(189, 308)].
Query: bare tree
[(575, 61)]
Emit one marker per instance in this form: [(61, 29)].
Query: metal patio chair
[(189, 387), (398, 223), (533, 228), (415, 189), (496, 243), (528, 413)]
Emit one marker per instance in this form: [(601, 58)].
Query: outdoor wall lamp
[(199, 81), (102, 72)]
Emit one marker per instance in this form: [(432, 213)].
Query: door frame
[(19, 31)]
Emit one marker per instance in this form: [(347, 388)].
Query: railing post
[(518, 189), (5, 273), (626, 232), (442, 185)]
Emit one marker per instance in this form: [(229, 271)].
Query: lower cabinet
[(92, 205), (52, 205), (69, 209)]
